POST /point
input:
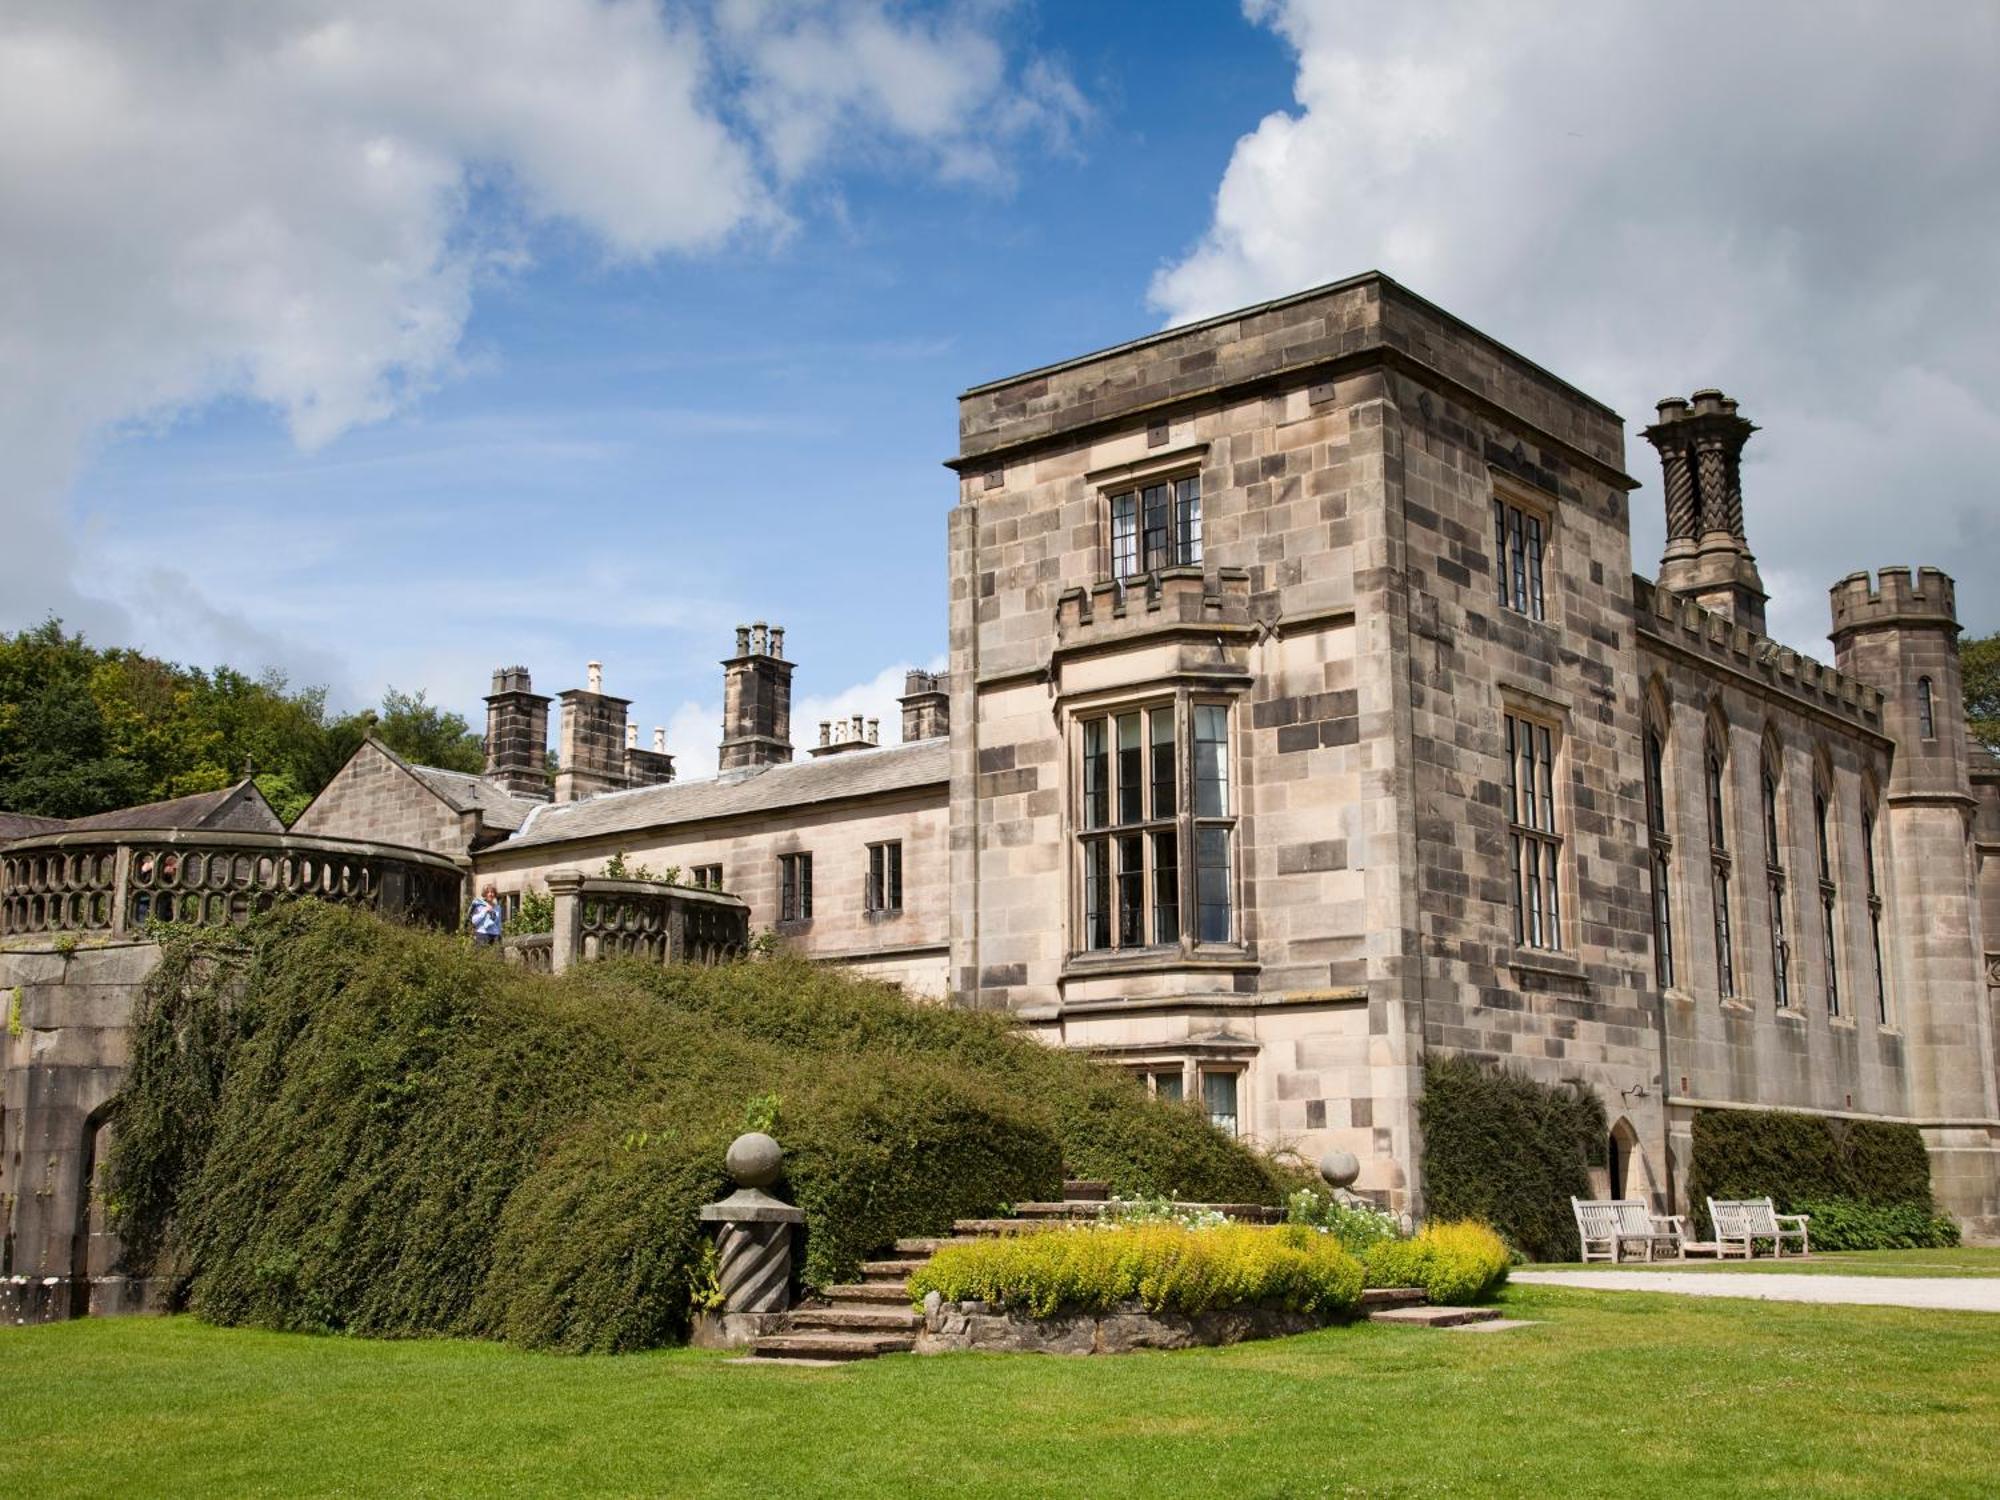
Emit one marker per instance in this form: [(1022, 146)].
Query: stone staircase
[(872, 1317)]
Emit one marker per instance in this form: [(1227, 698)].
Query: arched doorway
[(1631, 1175)]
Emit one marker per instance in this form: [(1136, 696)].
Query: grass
[(1969, 1260), (1611, 1394)]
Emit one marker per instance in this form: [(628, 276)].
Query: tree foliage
[(1509, 1151), (1979, 664), (335, 1123), (85, 729)]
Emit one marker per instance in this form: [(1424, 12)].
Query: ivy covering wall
[(335, 1124), (1510, 1151), (1800, 1159)]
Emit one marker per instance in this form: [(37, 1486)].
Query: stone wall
[(374, 799), (64, 1054), (905, 947), (953, 1327)]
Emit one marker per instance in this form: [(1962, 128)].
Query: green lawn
[(1610, 1394), (1965, 1261)]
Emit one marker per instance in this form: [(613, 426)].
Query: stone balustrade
[(597, 918), (110, 885)]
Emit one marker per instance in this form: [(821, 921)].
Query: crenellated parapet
[(1172, 596), (1673, 620), (1894, 596)]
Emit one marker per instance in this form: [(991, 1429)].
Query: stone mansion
[(1304, 716)]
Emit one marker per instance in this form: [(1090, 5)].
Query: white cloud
[(1799, 202), (297, 203), (859, 73)]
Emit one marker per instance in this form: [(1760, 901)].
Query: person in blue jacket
[(486, 917)]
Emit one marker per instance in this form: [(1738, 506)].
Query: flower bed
[(1160, 1267)]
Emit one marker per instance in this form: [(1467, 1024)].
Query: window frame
[(884, 879), (1653, 751), (1926, 710), (1538, 877), (1237, 1074), (1715, 804), (1771, 791), (1139, 838), (706, 877), (795, 888), (1829, 890), (1522, 529), (1152, 522), (1870, 822)]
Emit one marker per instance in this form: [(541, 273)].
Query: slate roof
[(498, 808), (236, 809), (15, 825), (831, 778)]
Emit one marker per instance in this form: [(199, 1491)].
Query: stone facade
[(1304, 717), (1354, 450)]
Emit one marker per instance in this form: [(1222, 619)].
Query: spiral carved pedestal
[(756, 1274), (753, 1241)]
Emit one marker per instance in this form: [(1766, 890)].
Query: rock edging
[(950, 1327)]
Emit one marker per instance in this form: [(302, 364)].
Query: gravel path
[(1959, 1293)]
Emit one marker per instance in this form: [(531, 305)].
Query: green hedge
[(1510, 1152), (1453, 1263), (1166, 1267), (332, 1123), (1793, 1158), (1843, 1224)]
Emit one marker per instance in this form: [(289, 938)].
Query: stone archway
[(94, 1249), (1631, 1172)]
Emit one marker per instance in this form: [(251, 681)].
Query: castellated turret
[(756, 700), (1898, 631), (1707, 559)]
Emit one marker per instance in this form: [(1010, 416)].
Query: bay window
[(1155, 826)]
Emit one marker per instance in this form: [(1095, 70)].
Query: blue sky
[(669, 335)]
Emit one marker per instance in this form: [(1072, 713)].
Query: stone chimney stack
[(1707, 559), (838, 735), (926, 704), (756, 700), (592, 752), (517, 734)]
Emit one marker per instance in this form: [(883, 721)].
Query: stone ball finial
[(1339, 1168), (754, 1160)]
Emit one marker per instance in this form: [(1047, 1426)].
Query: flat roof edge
[(1381, 278)]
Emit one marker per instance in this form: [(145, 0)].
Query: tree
[(84, 729), (427, 734), (1979, 664)]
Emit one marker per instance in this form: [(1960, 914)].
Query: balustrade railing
[(597, 918), (112, 885)]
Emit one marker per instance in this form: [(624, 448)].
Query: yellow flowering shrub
[(1166, 1267)]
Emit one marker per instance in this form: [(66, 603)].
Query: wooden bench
[(1607, 1226), (1741, 1222)]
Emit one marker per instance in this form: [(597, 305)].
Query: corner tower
[(1707, 559), (1898, 632)]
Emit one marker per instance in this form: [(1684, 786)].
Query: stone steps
[(928, 1247), (871, 1317), (898, 1270), (1391, 1296), (1424, 1316), (832, 1346), (888, 1292), (879, 1317)]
